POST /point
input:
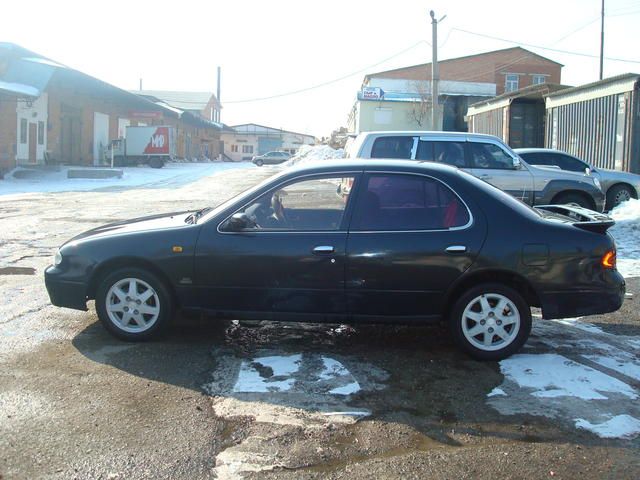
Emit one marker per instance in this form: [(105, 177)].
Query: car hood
[(557, 174), (605, 173), (136, 225)]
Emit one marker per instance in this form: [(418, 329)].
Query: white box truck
[(150, 145)]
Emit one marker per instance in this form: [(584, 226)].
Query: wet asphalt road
[(260, 399)]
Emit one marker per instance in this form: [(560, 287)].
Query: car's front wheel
[(259, 163), (617, 195), (133, 304), (490, 321)]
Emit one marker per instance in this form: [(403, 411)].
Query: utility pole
[(434, 71), (602, 40)]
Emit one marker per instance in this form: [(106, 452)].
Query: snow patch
[(172, 175), (497, 391), (620, 426), (552, 375), (267, 374), (626, 232)]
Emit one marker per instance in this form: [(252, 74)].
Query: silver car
[(617, 186), (488, 158)]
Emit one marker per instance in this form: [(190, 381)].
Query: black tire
[(132, 331), (155, 162), (573, 197), (259, 163), (617, 195), (517, 334)]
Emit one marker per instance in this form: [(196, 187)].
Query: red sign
[(159, 142)]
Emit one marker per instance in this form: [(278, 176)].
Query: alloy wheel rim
[(132, 305), (490, 322), (622, 196)]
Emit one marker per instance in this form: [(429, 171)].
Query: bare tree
[(421, 106)]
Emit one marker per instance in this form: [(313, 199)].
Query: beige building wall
[(388, 116)]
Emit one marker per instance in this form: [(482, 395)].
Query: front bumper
[(584, 301), (64, 293)]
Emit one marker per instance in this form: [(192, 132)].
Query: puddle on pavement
[(17, 271)]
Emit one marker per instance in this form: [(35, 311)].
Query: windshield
[(210, 212)]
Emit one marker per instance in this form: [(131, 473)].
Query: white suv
[(488, 158)]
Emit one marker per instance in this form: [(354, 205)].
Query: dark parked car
[(411, 242), (271, 158), (617, 186)]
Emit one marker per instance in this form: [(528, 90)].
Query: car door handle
[(456, 249), (323, 250)]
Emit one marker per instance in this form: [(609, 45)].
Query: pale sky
[(268, 48)]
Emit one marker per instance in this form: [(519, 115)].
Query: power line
[(329, 82), (568, 52)]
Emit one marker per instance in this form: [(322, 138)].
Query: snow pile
[(309, 154), (626, 232)]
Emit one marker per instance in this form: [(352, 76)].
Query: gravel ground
[(273, 400)]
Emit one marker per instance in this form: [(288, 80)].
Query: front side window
[(511, 82), (400, 202), (488, 155), (316, 204), (392, 147)]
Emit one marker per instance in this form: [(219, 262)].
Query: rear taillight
[(609, 259)]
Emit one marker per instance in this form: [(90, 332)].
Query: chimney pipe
[(141, 84)]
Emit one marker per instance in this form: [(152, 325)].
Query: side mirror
[(517, 164), (587, 171), (238, 222)]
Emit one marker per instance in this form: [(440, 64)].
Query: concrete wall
[(8, 133)]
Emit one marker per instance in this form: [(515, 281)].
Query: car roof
[(426, 133), (371, 164), (534, 150)]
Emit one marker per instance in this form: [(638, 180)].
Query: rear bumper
[(582, 302), (64, 293)]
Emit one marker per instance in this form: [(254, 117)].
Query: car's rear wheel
[(617, 195), (490, 321), (133, 304), (573, 198)]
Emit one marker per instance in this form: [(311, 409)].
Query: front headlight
[(596, 182), (57, 258)]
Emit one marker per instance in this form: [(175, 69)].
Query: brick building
[(400, 99), (50, 113)]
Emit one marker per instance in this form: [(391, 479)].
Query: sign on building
[(372, 93)]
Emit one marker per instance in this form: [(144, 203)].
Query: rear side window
[(397, 202), (392, 147)]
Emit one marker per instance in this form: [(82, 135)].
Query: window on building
[(382, 116), (247, 148), (23, 130), (538, 79), (511, 82), (40, 133), (234, 148)]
